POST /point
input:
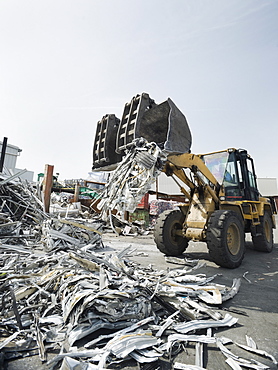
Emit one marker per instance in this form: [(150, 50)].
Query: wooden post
[(47, 186), (76, 192), (126, 216)]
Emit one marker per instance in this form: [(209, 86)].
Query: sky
[(64, 64)]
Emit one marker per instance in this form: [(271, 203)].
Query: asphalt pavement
[(255, 305)]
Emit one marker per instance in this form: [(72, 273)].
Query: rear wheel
[(225, 238), (167, 233), (263, 240)]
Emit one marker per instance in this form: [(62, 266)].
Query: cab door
[(247, 177)]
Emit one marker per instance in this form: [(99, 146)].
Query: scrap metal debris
[(132, 178), (60, 291), (23, 221), (61, 303)]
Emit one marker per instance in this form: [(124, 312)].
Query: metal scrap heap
[(20, 208), (23, 221), (76, 306)]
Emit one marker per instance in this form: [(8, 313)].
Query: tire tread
[(160, 234), (217, 250)]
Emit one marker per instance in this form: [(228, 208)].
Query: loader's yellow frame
[(206, 197)]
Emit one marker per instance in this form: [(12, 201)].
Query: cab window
[(231, 180)]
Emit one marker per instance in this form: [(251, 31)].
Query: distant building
[(267, 186), (12, 152)]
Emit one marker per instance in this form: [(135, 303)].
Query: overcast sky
[(64, 64)]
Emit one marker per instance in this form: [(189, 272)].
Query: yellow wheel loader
[(221, 198)]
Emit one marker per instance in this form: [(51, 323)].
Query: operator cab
[(234, 170)]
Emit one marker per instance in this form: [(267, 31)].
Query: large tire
[(166, 239), (225, 238), (263, 241)]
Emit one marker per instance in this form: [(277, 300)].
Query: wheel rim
[(233, 239), (267, 231), (176, 227)]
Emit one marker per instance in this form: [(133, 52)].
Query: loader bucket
[(104, 149), (162, 123), (167, 126), (131, 119)]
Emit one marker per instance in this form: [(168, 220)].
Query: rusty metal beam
[(47, 186)]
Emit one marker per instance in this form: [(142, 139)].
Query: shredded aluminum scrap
[(21, 211), (132, 178), (23, 221), (59, 293), (63, 299)]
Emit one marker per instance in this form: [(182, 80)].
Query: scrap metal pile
[(60, 302), (59, 294), (23, 221), (20, 210)]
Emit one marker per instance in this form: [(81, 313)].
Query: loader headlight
[(222, 198)]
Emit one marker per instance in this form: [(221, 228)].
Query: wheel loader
[(221, 199)]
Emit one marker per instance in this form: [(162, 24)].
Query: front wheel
[(263, 240), (168, 233), (225, 238)]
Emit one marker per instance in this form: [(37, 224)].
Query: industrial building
[(9, 155)]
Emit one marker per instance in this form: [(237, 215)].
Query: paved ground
[(257, 299)]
